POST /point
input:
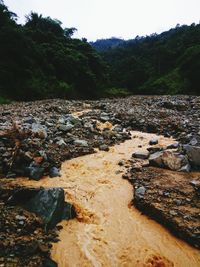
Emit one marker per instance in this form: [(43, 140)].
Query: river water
[(109, 232)]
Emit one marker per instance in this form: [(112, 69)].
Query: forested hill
[(168, 63), (42, 60), (102, 45)]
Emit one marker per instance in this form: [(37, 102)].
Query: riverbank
[(106, 221)]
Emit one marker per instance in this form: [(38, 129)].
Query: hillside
[(168, 63)]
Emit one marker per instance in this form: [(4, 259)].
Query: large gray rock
[(47, 203), (193, 153)]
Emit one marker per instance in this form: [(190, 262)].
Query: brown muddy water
[(109, 232)]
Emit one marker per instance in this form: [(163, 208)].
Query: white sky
[(96, 19)]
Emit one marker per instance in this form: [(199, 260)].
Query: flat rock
[(141, 154)]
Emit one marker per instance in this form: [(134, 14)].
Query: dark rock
[(54, 172), (104, 147), (49, 263), (153, 150), (153, 142), (68, 211), (173, 146), (193, 153), (35, 173), (47, 203), (141, 154), (156, 159), (139, 192)]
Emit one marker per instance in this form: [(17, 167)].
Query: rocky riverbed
[(36, 137)]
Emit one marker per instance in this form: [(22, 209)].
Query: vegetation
[(41, 60), (168, 63)]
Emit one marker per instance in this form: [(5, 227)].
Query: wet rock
[(141, 154), (139, 192), (54, 172), (68, 212), (173, 146), (35, 173), (104, 147), (49, 263), (46, 203), (153, 142)]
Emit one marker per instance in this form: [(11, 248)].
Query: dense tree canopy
[(41, 60), (168, 63)]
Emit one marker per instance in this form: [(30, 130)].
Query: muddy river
[(109, 232)]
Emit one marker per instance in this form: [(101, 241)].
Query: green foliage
[(168, 63), (41, 60), (4, 100), (116, 92)]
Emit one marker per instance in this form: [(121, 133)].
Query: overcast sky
[(96, 19)]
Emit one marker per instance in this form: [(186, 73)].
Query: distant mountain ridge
[(166, 63)]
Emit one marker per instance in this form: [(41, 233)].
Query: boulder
[(193, 153), (174, 161), (47, 203), (170, 160), (155, 159)]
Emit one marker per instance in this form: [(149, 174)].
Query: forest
[(41, 59)]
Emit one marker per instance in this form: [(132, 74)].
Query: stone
[(173, 146), (61, 142), (35, 173), (49, 263), (65, 127), (54, 172), (47, 203), (79, 142), (139, 192), (68, 211), (39, 130), (193, 153), (104, 147), (174, 161), (141, 154), (153, 142), (155, 159)]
